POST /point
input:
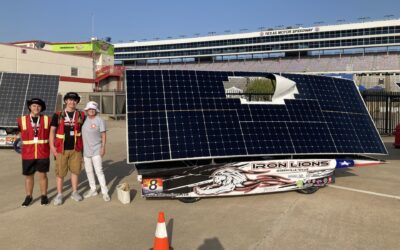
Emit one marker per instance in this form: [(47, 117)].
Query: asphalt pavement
[(360, 211)]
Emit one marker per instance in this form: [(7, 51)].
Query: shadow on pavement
[(212, 243), (170, 228), (344, 172), (114, 172)]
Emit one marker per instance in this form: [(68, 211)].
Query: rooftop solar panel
[(182, 115), (16, 88)]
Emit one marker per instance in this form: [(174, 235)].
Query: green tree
[(260, 86)]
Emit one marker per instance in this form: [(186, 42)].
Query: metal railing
[(384, 108)]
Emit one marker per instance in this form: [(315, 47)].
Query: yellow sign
[(78, 47), (95, 46)]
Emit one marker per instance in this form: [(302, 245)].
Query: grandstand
[(369, 50), (344, 64)]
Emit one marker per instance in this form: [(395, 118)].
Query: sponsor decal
[(319, 182), (290, 164), (72, 47), (10, 140), (244, 178), (299, 183), (344, 163), (227, 180), (321, 173), (150, 186), (296, 176), (287, 32), (164, 195)]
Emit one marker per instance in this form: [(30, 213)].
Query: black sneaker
[(44, 201), (27, 201)]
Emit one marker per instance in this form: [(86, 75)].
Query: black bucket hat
[(36, 101), (73, 96)]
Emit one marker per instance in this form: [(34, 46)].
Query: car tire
[(309, 190), (188, 199)]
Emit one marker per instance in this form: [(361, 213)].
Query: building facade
[(341, 39), (75, 71)]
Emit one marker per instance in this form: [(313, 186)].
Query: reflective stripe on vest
[(60, 136), (33, 142), (46, 122), (60, 133), (23, 121)]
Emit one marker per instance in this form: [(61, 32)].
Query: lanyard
[(35, 125), (71, 123)]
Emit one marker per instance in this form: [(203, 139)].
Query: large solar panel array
[(16, 88), (180, 115)]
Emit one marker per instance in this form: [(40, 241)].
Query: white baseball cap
[(92, 105)]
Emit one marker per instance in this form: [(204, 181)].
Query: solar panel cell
[(16, 88), (186, 115)]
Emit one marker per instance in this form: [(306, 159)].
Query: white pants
[(95, 162)]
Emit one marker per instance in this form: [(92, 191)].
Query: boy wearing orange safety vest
[(66, 145), (35, 129)]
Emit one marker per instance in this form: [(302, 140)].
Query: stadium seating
[(348, 63)]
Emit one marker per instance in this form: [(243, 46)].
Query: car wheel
[(309, 190), (188, 199)]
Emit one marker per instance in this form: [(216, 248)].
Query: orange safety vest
[(60, 136), (32, 149)]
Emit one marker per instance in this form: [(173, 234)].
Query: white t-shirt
[(91, 135)]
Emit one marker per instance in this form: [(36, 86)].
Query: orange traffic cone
[(161, 239)]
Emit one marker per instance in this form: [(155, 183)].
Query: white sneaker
[(76, 197), (90, 193), (58, 200), (106, 197)]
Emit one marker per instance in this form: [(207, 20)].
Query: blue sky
[(123, 20)]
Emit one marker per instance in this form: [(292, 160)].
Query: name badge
[(71, 133), (35, 139)]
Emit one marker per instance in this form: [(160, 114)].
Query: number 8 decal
[(153, 185)]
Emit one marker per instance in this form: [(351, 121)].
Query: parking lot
[(360, 211)]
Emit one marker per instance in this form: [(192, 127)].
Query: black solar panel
[(180, 115), (15, 89)]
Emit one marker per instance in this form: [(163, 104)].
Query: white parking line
[(366, 192)]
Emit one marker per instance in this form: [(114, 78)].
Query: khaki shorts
[(69, 160)]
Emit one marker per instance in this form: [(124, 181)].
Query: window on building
[(74, 71)]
